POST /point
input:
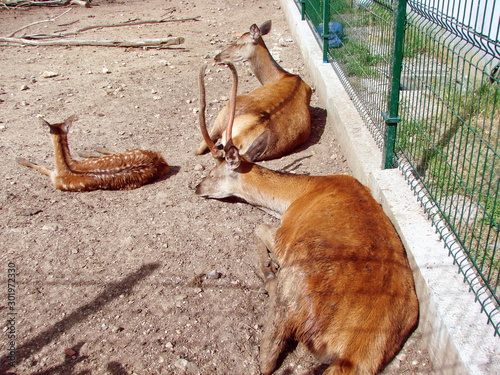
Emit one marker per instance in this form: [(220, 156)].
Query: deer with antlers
[(337, 274), (114, 171), (275, 114)]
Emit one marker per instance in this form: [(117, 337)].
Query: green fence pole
[(326, 29), (391, 117), (303, 9)]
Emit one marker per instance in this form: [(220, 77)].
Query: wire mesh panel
[(449, 105), (449, 133), (363, 59)]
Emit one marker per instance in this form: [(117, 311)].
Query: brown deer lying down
[(275, 114), (128, 170), (342, 285)]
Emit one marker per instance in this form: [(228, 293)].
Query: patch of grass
[(416, 43), (357, 59), (342, 7)]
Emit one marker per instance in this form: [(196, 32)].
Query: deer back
[(278, 110)]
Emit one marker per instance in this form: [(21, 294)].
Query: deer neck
[(265, 68), (62, 156), (272, 191)]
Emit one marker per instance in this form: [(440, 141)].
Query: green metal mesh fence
[(447, 112)]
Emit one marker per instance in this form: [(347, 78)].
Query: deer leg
[(269, 263), (276, 332), (216, 131), (88, 154), (37, 167), (104, 151), (95, 153), (342, 368), (203, 147)]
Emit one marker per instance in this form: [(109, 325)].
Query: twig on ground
[(68, 23), (57, 41), (129, 23), (38, 22), (90, 27), (168, 11)]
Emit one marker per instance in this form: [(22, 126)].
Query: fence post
[(303, 9), (391, 117), (326, 29)]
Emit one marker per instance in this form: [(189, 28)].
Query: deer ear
[(255, 32), (70, 119), (259, 146), (44, 122), (68, 122), (265, 27), (233, 158)]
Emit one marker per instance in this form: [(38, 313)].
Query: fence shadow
[(111, 292), (115, 368), (68, 365)]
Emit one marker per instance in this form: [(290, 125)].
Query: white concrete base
[(454, 329)]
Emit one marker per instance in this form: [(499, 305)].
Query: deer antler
[(203, 125), (232, 110), (232, 107)]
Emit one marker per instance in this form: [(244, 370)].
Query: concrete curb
[(453, 328)]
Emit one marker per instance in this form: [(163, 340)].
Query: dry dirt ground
[(148, 281)]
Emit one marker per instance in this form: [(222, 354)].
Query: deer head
[(246, 46), (235, 175)]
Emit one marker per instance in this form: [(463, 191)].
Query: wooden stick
[(86, 28), (126, 23), (106, 43), (38, 22), (85, 4), (138, 22), (27, 3)]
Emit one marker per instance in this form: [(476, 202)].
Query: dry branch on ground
[(91, 27), (35, 38), (104, 42), (51, 3)]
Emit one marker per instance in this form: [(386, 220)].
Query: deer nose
[(218, 58), (198, 190)]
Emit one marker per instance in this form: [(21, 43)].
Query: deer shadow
[(174, 169), (318, 124)]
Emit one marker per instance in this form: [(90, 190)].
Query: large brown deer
[(124, 171), (275, 114), (336, 271)]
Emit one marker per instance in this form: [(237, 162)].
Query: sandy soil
[(148, 281)]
